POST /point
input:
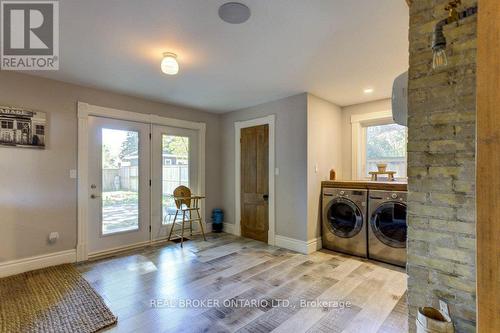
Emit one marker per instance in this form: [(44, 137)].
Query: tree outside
[(385, 141), (386, 144)]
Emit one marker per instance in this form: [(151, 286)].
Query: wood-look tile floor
[(253, 287)]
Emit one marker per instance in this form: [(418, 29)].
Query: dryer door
[(343, 218), (388, 223)]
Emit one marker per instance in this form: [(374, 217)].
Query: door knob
[(93, 196)]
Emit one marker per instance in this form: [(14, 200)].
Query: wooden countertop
[(367, 184)]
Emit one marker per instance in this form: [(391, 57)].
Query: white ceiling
[(331, 48)]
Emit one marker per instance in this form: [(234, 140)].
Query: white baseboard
[(298, 245), (314, 245), (13, 267), (229, 228)]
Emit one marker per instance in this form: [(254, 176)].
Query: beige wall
[(291, 159), (347, 112), (324, 135), (37, 195)]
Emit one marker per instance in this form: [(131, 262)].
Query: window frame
[(359, 123)]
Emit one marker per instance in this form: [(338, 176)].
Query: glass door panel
[(175, 171), (175, 154), (120, 181)]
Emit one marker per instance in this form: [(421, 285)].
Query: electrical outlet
[(72, 173), (443, 307)]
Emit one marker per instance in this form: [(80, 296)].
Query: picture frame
[(22, 128)]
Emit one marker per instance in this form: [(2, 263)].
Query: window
[(385, 144), (377, 140), (7, 124), (40, 130)]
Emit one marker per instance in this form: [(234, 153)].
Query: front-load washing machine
[(344, 221), (388, 227)]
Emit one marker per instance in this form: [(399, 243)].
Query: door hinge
[(150, 182), (149, 136), (149, 228)]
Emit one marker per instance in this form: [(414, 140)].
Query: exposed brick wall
[(441, 167)]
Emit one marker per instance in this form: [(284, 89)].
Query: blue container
[(217, 220)]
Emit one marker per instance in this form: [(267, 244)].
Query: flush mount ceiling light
[(368, 90), (234, 12), (169, 64)]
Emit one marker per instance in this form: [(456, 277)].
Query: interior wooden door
[(255, 182)]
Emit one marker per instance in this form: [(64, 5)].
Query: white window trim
[(269, 120), (359, 122), (84, 111)]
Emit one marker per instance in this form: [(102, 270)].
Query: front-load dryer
[(344, 221), (388, 227)]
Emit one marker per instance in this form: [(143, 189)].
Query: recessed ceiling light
[(169, 64), (368, 90), (234, 12)]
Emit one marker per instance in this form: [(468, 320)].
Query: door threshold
[(111, 252), (119, 250)]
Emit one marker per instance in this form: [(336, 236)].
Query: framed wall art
[(22, 127)]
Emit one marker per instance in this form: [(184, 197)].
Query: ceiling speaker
[(234, 12)]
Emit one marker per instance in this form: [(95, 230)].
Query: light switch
[(316, 168), (72, 173), (53, 237), (277, 171)]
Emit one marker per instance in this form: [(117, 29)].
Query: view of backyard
[(120, 178), (386, 144)]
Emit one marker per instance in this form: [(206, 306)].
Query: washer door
[(343, 218), (388, 223)]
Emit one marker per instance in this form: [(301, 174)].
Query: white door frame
[(84, 111), (268, 120)]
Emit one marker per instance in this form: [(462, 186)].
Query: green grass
[(119, 197)]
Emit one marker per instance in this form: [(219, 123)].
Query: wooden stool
[(186, 204), (390, 175)]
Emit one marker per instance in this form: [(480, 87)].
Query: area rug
[(55, 299)]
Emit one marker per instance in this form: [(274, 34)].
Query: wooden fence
[(126, 178)]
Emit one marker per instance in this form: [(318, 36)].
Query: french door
[(133, 169), (119, 194), (175, 152)]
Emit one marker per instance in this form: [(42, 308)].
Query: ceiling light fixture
[(169, 64), (234, 12), (368, 90)]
